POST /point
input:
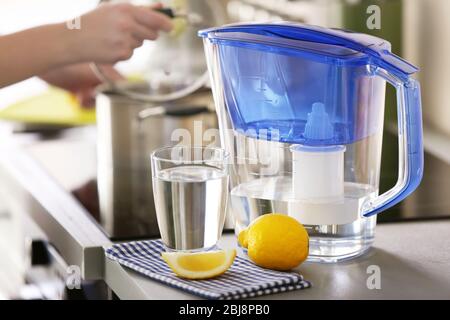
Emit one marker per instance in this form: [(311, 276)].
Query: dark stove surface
[(431, 200)]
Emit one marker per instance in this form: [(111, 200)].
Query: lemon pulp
[(199, 265)]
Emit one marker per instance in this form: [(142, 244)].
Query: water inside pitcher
[(301, 111)]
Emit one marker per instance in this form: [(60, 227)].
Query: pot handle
[(151, 112), (410, 144)]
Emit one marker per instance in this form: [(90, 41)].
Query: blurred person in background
[(61, 56)]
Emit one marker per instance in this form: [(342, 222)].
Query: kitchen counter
[(413, 257)]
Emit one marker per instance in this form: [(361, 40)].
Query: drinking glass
[(190, 186)]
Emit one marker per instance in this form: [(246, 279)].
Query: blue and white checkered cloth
[(242, 280)]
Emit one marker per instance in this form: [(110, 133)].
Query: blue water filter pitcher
[(301, 110)]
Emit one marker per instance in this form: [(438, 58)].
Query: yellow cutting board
[(53, 107)]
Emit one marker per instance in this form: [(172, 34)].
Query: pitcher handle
[(410, 142)]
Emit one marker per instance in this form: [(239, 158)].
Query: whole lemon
[(276, 241)]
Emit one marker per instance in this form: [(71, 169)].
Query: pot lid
[(173, 66)]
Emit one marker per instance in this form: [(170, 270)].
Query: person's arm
[(107, 35), (30, 52)]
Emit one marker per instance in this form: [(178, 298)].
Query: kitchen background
[(419, 31)]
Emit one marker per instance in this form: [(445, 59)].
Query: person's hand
[(111, 32), (80, 80)]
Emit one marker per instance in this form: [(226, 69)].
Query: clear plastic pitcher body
[(301, 111)]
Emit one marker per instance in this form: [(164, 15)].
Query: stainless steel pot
[(128, 131), (135, 118)]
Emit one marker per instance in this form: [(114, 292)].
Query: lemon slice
[(199, 265)]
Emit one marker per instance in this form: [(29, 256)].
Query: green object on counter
[(53, 107)]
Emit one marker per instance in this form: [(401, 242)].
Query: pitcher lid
[(330, 45)]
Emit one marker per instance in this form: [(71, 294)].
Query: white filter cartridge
[(318, 173), (318, 176), (318, 187)]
